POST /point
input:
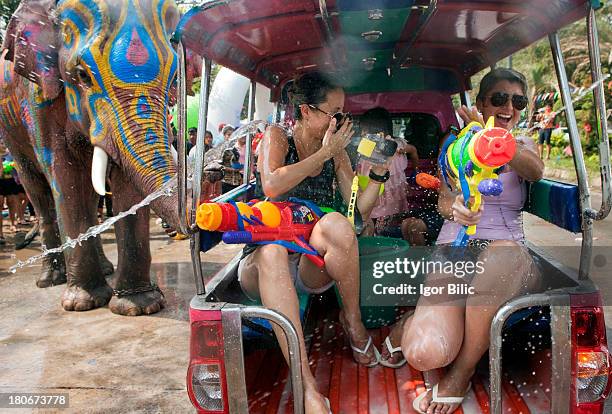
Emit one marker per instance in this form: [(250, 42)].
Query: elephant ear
[(31, 42)]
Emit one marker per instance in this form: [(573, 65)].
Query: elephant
[(85, 89)]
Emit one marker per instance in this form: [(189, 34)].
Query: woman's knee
[(336, 229), (272, 256), (428, 352)]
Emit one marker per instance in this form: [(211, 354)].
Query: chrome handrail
[(561, 322), (293, 346), (600, 118), (585, 198), (196, 186), (248, 155), (184, 226)]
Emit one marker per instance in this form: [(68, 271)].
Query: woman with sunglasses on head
[(452, 330), (309, 162)]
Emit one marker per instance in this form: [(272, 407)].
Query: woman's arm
[(526, 161), (366, 200), (278, 178)]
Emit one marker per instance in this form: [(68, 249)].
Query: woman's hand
[(462, 214), (470, 114), (334, 142)]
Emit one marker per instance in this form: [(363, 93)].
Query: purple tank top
[(501, 215)]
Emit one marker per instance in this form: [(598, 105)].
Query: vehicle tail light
[(590, 360), (206, 382)]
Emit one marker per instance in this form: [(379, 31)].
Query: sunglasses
[(519, 102), (340, 117)]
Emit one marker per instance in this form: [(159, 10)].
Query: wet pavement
[(105, 362), (114, 364)]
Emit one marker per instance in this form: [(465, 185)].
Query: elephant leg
[(38, 190), (107, 265), (134, 295), (76, 201)]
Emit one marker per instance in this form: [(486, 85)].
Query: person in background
[(546, 120), (9, 190), (392, 202), (227, 132), (233, 163), (192, 134)]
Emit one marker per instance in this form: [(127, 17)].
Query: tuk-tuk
[(410, 57)]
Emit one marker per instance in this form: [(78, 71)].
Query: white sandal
[(364, 351), (443, 400), (392, 351)]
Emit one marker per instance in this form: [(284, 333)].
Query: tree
[(7, 8)]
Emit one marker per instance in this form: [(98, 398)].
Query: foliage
[(7, 8), (536, 63)]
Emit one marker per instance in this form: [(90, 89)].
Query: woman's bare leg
[(496, 285), (432, 337), (333, 237), (266, 274)]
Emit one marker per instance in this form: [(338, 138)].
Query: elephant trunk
[(142, 151)]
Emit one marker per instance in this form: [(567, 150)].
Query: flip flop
[(328, 406), (391, 350), (443, 400), (364, 351)]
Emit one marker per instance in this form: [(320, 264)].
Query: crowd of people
[(13, 198)]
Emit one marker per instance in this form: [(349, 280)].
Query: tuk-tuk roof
[(370, 45)]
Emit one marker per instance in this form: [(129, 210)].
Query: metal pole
[(277, 112), (600, 117), (181, 118), (194, 243), (248, 156), (496, 339), (465, 98), (583, 187), (293, 345)]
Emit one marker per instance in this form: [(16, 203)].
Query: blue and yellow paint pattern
[(130, 66)]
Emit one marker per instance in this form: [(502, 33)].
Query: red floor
[(352, 388)]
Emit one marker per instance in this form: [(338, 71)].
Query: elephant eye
[(84, 77)]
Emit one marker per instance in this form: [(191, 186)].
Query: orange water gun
[(287, 223)]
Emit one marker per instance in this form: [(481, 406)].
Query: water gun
[(425, 180), (287, 223), (472, 160), (7, 168)]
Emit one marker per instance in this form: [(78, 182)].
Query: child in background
[(392, 202)]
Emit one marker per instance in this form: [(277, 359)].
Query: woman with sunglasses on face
[(452, 330), (309, 162)]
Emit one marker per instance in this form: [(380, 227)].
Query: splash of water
[(166, 191)]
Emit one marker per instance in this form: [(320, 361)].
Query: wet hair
[(376, 120), (227, 128), (311, 89), (499, 74)]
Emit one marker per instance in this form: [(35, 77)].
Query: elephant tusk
[(174, 154), (98, 170)]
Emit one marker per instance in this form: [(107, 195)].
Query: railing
[(560, 333), (231, 317)]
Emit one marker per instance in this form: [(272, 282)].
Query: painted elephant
[(85, 91)]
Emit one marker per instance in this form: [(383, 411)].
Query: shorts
[(544, 136), (294, 263), (9, 187), (446, 253)]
